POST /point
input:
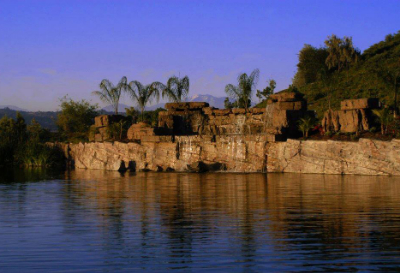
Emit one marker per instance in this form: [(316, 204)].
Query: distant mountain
[(12, 107), (121, 108), (45, 119), (217, 102)]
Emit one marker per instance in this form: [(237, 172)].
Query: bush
[(75, 119)]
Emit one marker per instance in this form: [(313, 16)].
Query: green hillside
[(372, 75)]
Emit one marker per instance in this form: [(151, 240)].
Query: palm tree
[(143, 94), (305, 125), (110, 93), (243, 92), (177, 89)]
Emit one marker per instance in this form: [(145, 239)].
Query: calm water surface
[(96, 221)]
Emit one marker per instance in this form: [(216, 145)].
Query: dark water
[(95, 221)]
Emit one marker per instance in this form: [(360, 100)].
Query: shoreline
[(240, 154)]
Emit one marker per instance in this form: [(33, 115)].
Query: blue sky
[(52, 48)]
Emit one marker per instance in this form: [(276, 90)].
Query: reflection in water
[(105, 221)]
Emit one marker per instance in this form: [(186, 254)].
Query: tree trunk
[(382, 129)]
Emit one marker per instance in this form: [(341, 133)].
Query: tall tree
[(177, 89), (243, 91), (267, 91), (75, 118), (390, 74), (311, 62), (110, 93), (143, 94), (341, 52)]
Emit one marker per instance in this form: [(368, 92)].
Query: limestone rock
[(139, 130), (364, 103)]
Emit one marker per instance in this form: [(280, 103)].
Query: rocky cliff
[(366, 157), (241, 154), (180, 153)]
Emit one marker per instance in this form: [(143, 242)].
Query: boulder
[(291, 105), (140, 130), (106, 120), (285, 96), (186, 105), (365, 103), (198, 167)]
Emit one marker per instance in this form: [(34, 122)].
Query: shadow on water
[(231, 222)]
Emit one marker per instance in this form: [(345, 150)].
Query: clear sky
[(50, 48)]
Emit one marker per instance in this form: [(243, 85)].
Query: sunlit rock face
[(162, 153), (354, 116), (366, 157), (241, 154)]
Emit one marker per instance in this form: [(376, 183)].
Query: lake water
[(97, 221)]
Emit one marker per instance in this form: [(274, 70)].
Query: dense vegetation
[(45, 119), (24, 144), (338, 71)]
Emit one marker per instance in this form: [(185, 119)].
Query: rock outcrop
[(100, 130), (354, 116), (241, 154), (179, 153), (278, 120), (366, 157)]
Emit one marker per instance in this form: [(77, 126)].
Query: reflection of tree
[(170, 217)]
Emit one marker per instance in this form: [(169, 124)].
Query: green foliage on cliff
[(371, 74)]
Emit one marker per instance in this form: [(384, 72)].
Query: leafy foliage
[(385, 118), (341, 52), (110, 93), (306, 124), (177, 89), (267, 91), (118, 130), (151, 117), (311, 65), (75, 119), (242, 93), (22, 144), (143, 94), (369, 77)]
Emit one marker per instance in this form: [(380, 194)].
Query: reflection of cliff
[(331, 216)]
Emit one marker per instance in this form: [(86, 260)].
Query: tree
[(228, 104), (132, 114), (311, 62), (390, 74), (341, 52), (243, 91), (75, 118), (143, 94), (384, 118), (111, 94), (267, 91), (177, 89), (305, 125)]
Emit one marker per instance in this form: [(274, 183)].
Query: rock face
[(181, 153), (241, 154), (279, 119), (354, 116), (99, 131), (366, 157), (139, 130)]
